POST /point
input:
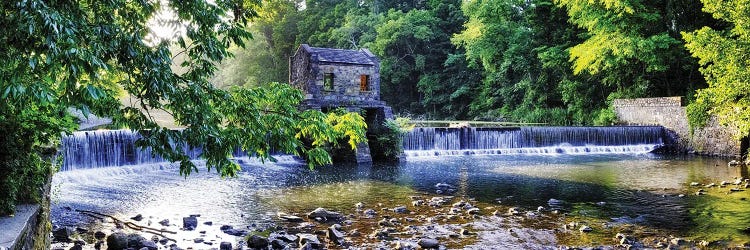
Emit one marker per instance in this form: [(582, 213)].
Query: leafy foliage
[(388, 144), (90, 54), (722, 56)]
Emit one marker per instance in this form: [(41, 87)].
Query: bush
[(388, 140)]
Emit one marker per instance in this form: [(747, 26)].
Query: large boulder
[(257, 241), (62, 234), (117, 241)]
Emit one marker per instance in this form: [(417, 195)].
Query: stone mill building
[(340, 78)]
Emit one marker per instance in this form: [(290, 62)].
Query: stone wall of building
[(346, 80), (670, 113)]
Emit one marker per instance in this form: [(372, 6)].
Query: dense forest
[(551, 61)]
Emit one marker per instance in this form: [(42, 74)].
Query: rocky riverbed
[(420, 222), (454, 203)]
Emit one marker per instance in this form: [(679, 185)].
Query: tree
[(722, 55), (86, 54)]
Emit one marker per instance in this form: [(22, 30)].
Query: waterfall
[(533, 140), (104, 148)]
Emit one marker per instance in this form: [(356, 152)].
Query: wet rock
[(359, 205), (400, 210), (497, 213), (405, 245), (288, 238), (385, 223), (289, 217), (138, 217), (309, 239), (540, 209), (235, 232), (208, 223), (279, 244), (724, 183), (163, 241), (164, 222), (136, 240), (334, 235), (473, 210), (694, 184), (198, 240), (225, 246), (459, 204), (514, 211), (62, 234), (325, 214), (99, 235), (427, 243), (585, 229), (710, 185), (225, 227), (735, 190), (370, 212), (417, 203), (189, 223), (150, 245), (117, 241), (257, 241), (465, 232)]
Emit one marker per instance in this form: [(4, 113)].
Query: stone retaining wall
[(670, 113)]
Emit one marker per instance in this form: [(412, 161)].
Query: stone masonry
[(670, 113), (338, 78)]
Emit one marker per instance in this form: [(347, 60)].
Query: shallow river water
[(644, 195)]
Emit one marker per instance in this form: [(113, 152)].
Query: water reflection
[(638, 189)]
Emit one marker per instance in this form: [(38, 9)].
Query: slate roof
[(362, 56)]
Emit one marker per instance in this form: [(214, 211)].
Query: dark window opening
[(364, 83), (328, 81)]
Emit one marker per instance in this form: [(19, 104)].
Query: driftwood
[(145, 229)]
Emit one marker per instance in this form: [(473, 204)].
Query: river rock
[(309, 239), (164, 222), (325, 214), (62, 234), (417, 203), (289, 217), (585, 229), (405, 245), (198, 240), (117, 241), (189, 223), (225, 246), (359, 205), (99, 235), (334, 235), (138, 217), (370, 212), (514, 211), (136, 240), (385, 223), (428, 243), (694, 184), (279, 244), (257, 241), (150, 245), (400, 210), (473, 210)]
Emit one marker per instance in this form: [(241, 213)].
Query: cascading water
[(533, 140), (106, 148)]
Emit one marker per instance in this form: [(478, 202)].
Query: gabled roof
[(362, 56)]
